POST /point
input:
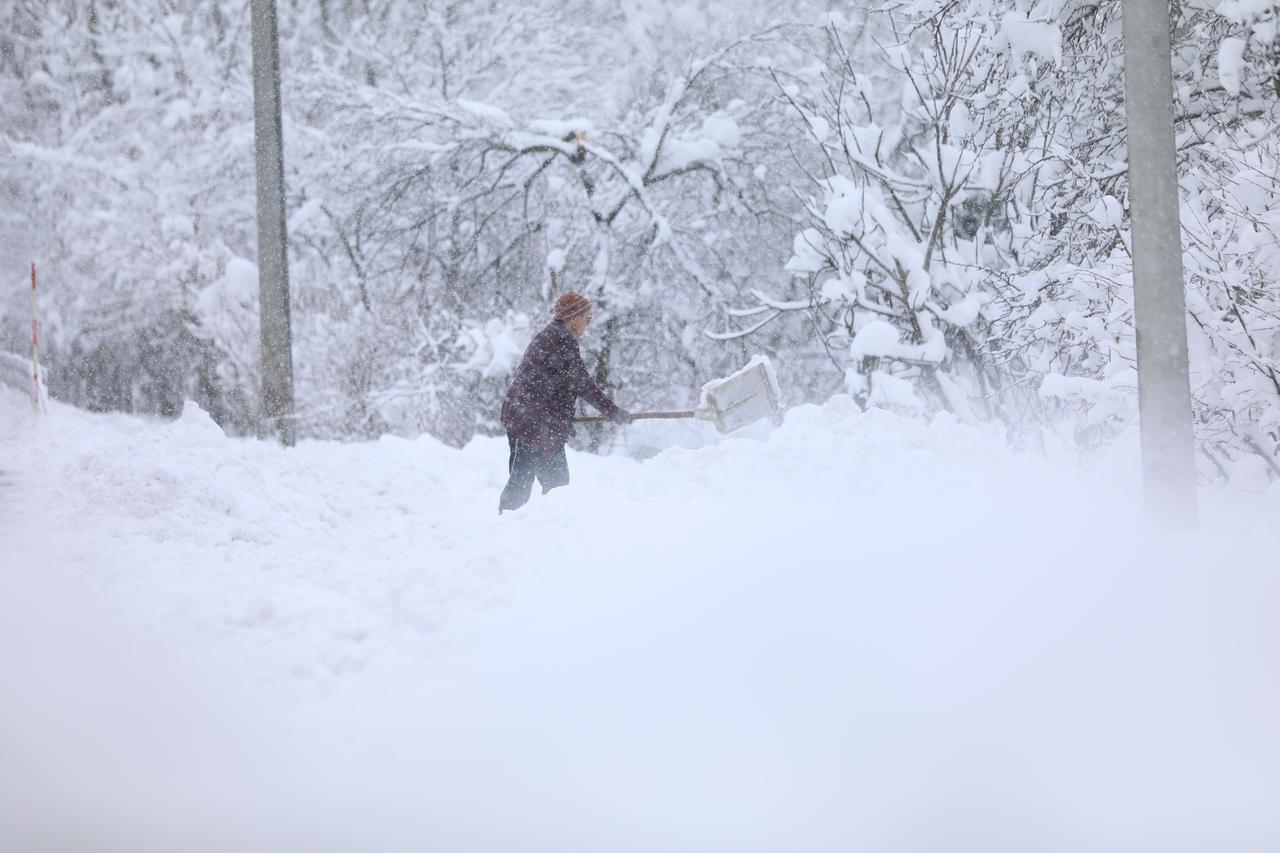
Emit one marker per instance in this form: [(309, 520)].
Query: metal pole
[(273, 259), (1159, 304)]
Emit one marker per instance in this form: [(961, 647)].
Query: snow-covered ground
[(860, 632)]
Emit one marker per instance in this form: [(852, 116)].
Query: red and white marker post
[(35, 349)]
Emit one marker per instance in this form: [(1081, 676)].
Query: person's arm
[(585, 387)]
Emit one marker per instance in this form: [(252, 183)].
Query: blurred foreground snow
[(861, 632)]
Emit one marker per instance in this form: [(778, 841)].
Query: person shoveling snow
[(538, 410)]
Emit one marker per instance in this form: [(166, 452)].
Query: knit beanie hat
[(571, 305)]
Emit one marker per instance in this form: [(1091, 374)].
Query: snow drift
[(858, 632)]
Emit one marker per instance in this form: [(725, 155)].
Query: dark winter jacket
[(551, 377)]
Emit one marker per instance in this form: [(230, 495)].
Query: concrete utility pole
[(273, 246), (1159, 303)]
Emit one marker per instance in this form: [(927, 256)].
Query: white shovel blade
[(743, 398)]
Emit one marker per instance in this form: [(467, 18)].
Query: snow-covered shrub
[(436, 158), (967, 226)]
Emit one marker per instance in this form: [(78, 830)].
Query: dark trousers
[(526, 464)]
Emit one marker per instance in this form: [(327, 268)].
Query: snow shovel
[(735, 401)]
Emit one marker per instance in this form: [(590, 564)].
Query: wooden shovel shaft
[(636, 416)]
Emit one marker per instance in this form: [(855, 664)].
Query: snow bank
[(862, 631)]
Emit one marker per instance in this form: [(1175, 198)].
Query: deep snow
[(860, 632)]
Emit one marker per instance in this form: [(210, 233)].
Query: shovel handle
[(638, 416)]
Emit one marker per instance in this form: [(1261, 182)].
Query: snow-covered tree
[(967, 238), (945, 180)]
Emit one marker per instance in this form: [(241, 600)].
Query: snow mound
[(856, 631)]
